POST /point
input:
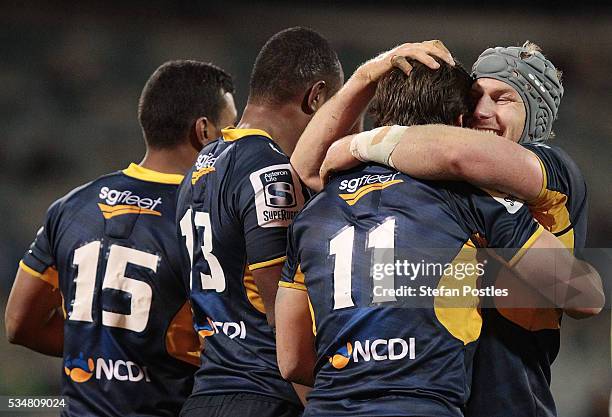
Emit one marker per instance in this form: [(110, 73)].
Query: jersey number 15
[(86, 258)]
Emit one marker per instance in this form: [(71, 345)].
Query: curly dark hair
[(290, 62)]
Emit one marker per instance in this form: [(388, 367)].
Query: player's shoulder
[(123, 186), (561, 171), (259, 148), (554, 157), (82, 191)]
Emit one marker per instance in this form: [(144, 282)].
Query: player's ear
[(315, 97), (204, 129), (200, 133)]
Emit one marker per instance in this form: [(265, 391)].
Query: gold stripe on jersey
[(460, 315), (182, 342), (49, 276), (231, 134), (145, 174), (550, 210), (264, 264), (312, 317), (544, 182), (112, 211), (352, 198), (29, 270), (196, 175), (294, 285), (519, 254)]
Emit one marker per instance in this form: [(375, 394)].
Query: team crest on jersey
[(126, 202), (278, 195)]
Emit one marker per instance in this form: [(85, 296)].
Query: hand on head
[(423, 52)]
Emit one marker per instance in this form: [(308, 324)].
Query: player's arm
[(267, 283), (268, 196), (571, 284), (294, 336), (340, 113), (440, 152), (33, 316), (536, 256)]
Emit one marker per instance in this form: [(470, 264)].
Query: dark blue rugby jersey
[(110, 246), (233, 210), (403, 357), (517, 347)]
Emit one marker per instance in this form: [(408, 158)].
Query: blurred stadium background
[(71, 75)]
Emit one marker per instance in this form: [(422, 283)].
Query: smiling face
[(498, 108)]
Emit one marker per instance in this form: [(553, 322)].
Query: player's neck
[(170, 161), (283, 123)]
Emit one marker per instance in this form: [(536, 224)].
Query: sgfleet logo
[(373, 350), (82, 370), (126, 202), (204, 165), (360, 186), (229, 328)]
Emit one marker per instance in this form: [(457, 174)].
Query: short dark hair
[(423, 97), (176, 94), (290, 62)]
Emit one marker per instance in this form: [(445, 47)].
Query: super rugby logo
[(376, 350), (81, 370), (360, 186), (126, 202), (278, 195)]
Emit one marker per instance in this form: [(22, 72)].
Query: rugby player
[(378, 356), (233, 210), (517, 93), (101, 283)]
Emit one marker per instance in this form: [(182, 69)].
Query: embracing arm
[(571, 284), (440, 152), (340, 114), (266, 280)]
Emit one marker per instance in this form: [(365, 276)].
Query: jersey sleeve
[(39, 260), (269, 197), (561, 206), (292, 276), (499, 222)]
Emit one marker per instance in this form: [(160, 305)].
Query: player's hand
[(339, 158), (423, 52)]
